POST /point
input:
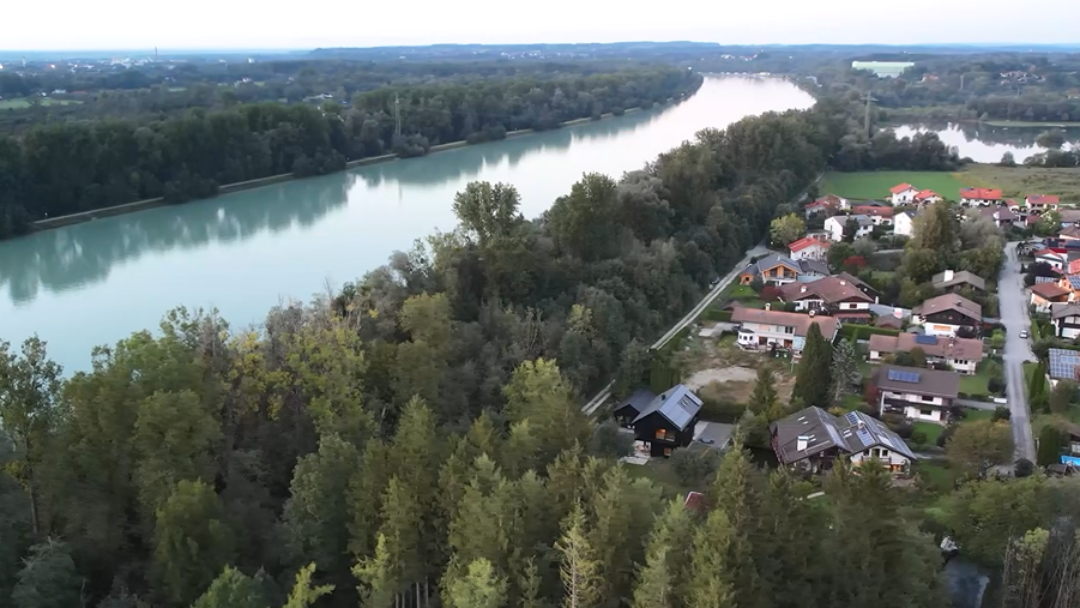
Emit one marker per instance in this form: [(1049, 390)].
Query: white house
[(917, 393), (903, 194), (784, 330), (1066, 318), (809, 248), (903, 224), (982, 197), (1038, 203), (927, 197), (834, 226)]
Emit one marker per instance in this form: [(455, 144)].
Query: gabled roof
[(807, 241), (925, 194), (964, 349), (950, 301), (986, 194), (854, 432), (1070, 233), (800, 322), (812, 267), (771, 261), (857, 282), (1063, 364), (637, 401), (1049, 291), (678, 405), (918, 381), (873, 210), (888, 321), (1000, 213), (958, 278), (897, 189), (1061, 311), (831, 290), (1042, 199)]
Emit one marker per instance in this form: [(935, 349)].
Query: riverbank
[(901, 116), (143, 205)]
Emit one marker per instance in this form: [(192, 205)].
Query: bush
[(714, 314), (863, 332), (1001, 413), (946, 435), (1023, 468), (693, 469), (770, 294), (918, 438)]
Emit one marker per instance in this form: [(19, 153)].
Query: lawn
[(876, 184), (977, 384), (971, 415), (937, 475), (1017, 182), (660, 472), (23, 103), (931, 430)]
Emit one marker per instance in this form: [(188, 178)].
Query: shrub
[(769, 294), (1001, 413), (1023, 468), (918, 437), (946, 435)]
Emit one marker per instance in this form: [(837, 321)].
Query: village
[(936, 314)]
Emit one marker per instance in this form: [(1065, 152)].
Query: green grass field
[(23, 103), (876, 184)]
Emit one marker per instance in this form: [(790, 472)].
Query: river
[(97, 282), (985, 143)]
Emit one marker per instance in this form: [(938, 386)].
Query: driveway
[(1014, 315)]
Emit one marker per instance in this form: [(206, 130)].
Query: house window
[(789, 330), (667, 452), (927, 398), (661, 433), (927, 413)]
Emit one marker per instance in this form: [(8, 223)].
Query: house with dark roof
[(661, 422), (1066, 319), (1001, 215), (951, 281), (862, 285), (763, 329), (981, 197), (917, 393), (835, 226), (812, 439), (772, 270), (1063, 364), (833, 296), (960, 354), (948, 315)]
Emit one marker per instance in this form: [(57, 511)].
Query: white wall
[(885, 456), (906, 196), (902, 225)]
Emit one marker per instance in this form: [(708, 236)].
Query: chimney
[(812, 313), (802, 289), (843, 282), (898, 313), (801, 442), (768, 306), (948, 275)]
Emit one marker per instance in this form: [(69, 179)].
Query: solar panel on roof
[(897, 375), (865, 437), (851, 418), (928, 340)]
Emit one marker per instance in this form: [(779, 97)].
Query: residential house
[(833, 296), (661, 422), (1064, 365), (1001, 215), (776, 329), (863, 286), (828, 204), (903, 223), (1045, 295), (813, 270), (1069, 217), (879, 215), (1071, 283), (951, 281), (889, 322), (812, 439), (948, 314), (903, 194), (981, 197), (834, 226), (961, 354), (1066, 319), (1070, 234), (1041, 203), (809, 248), (927, 197), (772, 269), (1055, 257), (919, 394)]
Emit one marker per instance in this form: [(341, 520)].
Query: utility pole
[(962, 76), (397, 116), (868, 98)]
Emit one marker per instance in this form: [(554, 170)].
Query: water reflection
[(73, 257), (987, 143)]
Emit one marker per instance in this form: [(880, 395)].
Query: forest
[(63, 167)]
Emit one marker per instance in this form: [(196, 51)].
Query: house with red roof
[(983, 197), (809, 248), (1045, 295), (927, 197), (878, 215), (1039, 203), (903, 194), (828, 204)]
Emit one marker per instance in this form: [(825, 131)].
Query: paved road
[(1014, 315), (596, 402)]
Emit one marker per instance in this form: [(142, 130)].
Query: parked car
[(1024, 334)]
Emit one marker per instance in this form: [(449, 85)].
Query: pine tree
[(579, 569), (304, 595), (737, 491), (843, 370), (1049, 450), (366, 489), (813, 377), (232, 589), (764, 399), (711, 584), (662, 580), (478, 587), (622, 516), (48, 579), (378, 576)]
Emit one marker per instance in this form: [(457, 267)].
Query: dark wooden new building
[(662, 422)]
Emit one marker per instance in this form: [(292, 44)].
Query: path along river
[(95, 283)]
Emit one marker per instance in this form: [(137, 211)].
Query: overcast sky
[(276, 24)]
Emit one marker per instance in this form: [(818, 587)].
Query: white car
[(1024, 334)]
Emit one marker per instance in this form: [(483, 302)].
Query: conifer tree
[(711, 584), (192, 542), (764, 399), (579, 569), (478, 587), (366, 488), (304, 594), (737, 491), (232, 589), (378, 577), (662, 579), (813, 376), (844, 368)]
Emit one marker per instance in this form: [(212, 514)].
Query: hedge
[(714, 314), (863, 332)]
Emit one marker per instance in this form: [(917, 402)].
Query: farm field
[(22, 103), (1018, 182), (876, 184)]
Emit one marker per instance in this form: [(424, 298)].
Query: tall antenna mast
[(868, 99)]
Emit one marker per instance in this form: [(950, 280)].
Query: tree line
[(66, 167)]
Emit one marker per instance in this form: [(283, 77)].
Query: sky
[(277, 24)]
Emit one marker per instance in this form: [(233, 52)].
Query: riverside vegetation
[(416, 438), (58, 168)]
